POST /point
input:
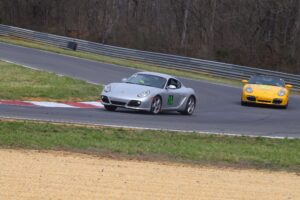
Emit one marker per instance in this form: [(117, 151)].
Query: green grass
[(117, 61), (19, 83), (154, 145)]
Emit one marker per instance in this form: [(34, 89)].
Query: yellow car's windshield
[(266, 80)]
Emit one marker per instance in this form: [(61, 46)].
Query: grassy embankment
[(154, 145)]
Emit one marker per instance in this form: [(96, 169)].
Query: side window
[(174, 82), (178, 84)]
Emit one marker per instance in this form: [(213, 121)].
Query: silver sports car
[(149, 91)]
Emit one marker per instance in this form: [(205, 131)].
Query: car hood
[(265, 89), (130, 90)]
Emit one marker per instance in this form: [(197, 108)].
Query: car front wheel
[(110, 108), (156, 105), (285, 106), (243, 103)]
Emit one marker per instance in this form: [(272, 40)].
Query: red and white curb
[(90, 104)]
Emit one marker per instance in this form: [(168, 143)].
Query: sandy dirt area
[(59, 175)]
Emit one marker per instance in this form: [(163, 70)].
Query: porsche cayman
[(149, 91)]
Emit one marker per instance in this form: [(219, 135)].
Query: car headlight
[(144, 94), (107, 88), (249, 89), (281, 93)]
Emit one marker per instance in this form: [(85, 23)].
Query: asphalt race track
[(218, 107)]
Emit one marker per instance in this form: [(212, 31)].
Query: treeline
[(259, 33)]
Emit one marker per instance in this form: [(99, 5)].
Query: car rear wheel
[(110, 108), (190, 106), (156, 105)]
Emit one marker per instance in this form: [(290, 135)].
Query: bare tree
[(187, 8), (260, 33)]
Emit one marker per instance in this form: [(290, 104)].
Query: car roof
[(157, 74)]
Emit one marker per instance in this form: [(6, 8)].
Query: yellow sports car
[(266, 90)]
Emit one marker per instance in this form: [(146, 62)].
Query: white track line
[(87, 104), (50, 104), (94, 103)]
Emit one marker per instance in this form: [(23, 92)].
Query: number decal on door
[(170, 100)]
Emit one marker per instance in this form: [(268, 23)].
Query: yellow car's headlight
[(249, 89), (281, 93)]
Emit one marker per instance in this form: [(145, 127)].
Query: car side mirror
[(288, 86), (172, 87), (244, 81), (124, 80)]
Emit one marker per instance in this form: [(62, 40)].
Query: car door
[(173, 94)]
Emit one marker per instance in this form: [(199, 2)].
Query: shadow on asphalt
[(137, 112)]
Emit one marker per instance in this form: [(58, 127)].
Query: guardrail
[(163, 60)]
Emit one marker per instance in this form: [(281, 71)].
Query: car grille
[(277, 101), (134, 103), (118, 103)]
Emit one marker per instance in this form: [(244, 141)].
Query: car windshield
[(147, 80), (265, 80)]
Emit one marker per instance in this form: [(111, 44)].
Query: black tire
[(243, 103), (190, 106), (285, 106), (156, 105), (110, 108)]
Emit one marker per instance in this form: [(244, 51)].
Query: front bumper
[(130, 103), (277, 101)]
